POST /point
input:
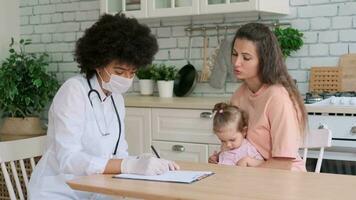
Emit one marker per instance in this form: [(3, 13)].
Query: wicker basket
[(325, 79)]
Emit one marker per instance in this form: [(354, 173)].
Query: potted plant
[(146, 82), (25, 89), (165, 75), (289, 40)]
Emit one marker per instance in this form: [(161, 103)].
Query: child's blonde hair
[(226, 114)]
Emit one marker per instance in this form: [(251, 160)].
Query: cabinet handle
[(178, 148), (322, 126), (206, 115), (353, 130)]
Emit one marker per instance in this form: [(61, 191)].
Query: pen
[(154, 151)]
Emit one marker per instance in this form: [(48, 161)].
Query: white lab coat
[(75, 146)]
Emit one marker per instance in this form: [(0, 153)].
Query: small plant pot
[(146, 86), (165, 88)]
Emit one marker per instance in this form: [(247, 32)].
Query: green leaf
[(27, 100), (37, 83)]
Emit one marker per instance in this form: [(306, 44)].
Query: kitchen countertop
[(175, 102), (209, 102)]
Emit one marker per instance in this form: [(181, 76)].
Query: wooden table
[(229, 183)]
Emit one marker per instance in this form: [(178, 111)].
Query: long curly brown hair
[(272, 67)]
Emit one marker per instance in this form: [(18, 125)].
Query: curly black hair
[(115, 38)]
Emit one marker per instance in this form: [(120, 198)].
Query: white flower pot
[(165, 88), (146, 86)]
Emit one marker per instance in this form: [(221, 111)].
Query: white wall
[(9, 24), (9, 27)]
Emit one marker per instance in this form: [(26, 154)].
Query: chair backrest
[(16, 151), (318, 138)]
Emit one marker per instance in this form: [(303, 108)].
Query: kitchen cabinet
[(169, 8), (138, 130), (132, 8), (230, 6), (182, 151), (188, 132), (177, 134), (184, 125)]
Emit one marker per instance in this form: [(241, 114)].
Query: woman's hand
[(214, 158), (249, 162)]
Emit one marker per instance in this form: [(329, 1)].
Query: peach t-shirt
[(273, 126)]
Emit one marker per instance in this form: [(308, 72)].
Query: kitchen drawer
[(343, 129), (182, 151), (341, 126), (184, 125)]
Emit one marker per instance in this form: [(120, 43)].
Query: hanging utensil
[(185, 83), (206, 72), (212, 58)]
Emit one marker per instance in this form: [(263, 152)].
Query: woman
[(277, 116), (86, 119)]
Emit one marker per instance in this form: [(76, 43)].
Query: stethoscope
[(104, 133)]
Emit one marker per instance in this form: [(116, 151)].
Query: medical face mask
[(116, 84)]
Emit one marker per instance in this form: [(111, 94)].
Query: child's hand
[(214, 158), (249, 162)]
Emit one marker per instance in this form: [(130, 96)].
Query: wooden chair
[(319, 138), (16, 151)]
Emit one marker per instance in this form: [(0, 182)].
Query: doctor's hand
[(147, 165)]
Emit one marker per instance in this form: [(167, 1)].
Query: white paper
[(179, 176)]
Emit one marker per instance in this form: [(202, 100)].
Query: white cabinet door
[(166, 8), (184, 125), (138, 130), (182, 151), (132, 8), (234, 6), (226, 6)]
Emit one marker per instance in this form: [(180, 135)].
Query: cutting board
[(325, 79), (347, 65)]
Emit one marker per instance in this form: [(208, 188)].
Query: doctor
[(86, 132)]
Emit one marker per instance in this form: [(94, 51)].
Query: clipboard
[(179, 176)]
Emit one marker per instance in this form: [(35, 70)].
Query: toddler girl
[(230, 126)]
